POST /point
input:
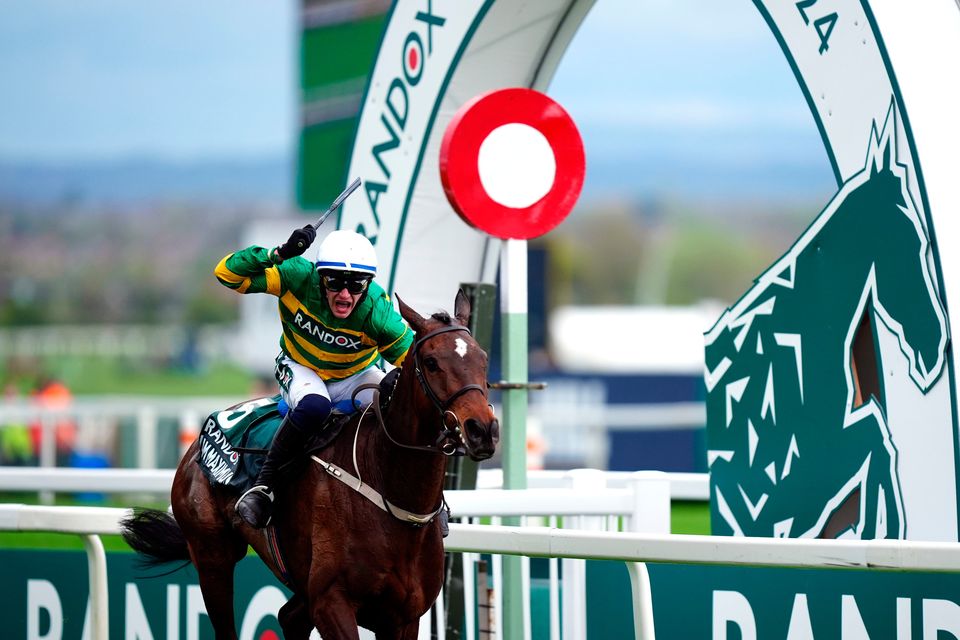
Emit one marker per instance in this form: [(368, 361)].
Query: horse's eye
[(431, 365)]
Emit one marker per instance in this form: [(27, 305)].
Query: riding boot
[(256, 505)]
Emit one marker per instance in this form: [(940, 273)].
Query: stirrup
[(251, 510)]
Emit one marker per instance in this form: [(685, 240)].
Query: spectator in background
[(15, 447), (54, 396)]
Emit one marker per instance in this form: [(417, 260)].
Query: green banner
[(737, 602), (45, 596)]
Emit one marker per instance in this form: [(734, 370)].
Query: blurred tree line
[(153, 264), (668, 253), (149, 264)]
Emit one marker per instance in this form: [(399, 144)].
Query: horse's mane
[(442, 316)]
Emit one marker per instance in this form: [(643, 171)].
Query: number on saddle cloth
[(228, 436), (250, 425)]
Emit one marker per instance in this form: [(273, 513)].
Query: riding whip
[(334, 206)]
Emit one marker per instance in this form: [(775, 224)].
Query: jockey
[(336, 323)]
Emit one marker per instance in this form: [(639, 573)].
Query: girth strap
[(273, 545), (371, 494)]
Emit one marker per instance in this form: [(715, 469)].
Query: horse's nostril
[(479, 432), (472, 426)]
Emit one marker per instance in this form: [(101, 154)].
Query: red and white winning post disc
[(512, 163)]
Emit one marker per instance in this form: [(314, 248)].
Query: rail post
[(574, 570), (99, 601), (650, 514)]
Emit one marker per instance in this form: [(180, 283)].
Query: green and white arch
[(851, 58), (435, 55), (866, 67)]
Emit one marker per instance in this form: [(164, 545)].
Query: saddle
[(234, 441)]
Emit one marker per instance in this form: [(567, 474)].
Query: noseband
[(449, 440)]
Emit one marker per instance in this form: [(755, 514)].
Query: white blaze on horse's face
[(461, 347)]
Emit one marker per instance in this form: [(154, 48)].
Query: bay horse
[(374, 560)]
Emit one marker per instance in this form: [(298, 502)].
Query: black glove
[(299, 240)]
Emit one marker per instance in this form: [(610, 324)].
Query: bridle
[(450, 439), (449, 442)]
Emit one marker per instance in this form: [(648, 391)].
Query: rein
[(447, 443), (450, 437), (375, 407)]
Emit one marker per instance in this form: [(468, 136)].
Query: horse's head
[(451, 369), (907, 297)]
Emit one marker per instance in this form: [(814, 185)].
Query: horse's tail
[(156, 536)]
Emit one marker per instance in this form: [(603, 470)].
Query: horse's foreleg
[(409, 632), (335, 618), (295, 620)]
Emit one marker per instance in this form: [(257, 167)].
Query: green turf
[(90, 376), (27, 540), (130, 376), (690, 518)]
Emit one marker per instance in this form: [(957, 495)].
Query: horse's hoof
[(255, 505)]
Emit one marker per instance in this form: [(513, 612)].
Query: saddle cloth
[(234, 441)]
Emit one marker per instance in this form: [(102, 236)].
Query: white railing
[(642, 508), (583, 501), (551, 542), (72, 480), (895, 555), (642, 504), (683, 486), (591, 499)]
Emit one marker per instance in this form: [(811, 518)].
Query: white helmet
[(344, 250)]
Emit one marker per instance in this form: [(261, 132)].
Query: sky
[(178, 79), (663, 89), (671, 80), (697, 64)]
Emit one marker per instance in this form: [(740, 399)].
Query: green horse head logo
[(796, 419)]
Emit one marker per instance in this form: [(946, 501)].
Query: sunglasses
[(338, 283)]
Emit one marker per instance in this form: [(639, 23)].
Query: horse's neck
[(413, 479)]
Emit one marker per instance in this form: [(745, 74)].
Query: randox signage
[(795, 604), (45, 598)]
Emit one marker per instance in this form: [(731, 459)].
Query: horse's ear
[(461, 308), (414, 319)]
